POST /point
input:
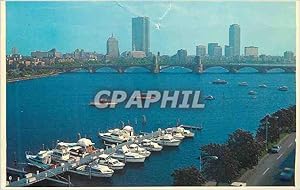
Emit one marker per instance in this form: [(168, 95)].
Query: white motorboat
[(209, 97), (283, 88), (137, 149), (243, 84), (151, 146), (219, 81), (188, 133), (252, 92), (41, 160), (127, 156), (106, 160), (95, 170), (178, 135), (118, 135), (262, 86), (168, 140), (60, 154)]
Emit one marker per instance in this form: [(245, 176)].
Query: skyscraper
[(217, 51), (228, 51), (112, 47), (210, 48), (235, 38), (141, 34), (200, 50)]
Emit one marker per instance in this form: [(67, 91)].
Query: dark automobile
[(287, 174)]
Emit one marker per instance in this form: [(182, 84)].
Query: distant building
[(141, 34), (134, 54), (288, 55), (14, 51), (235, 38), (46, 54), (181, 56), (251, 51), (228, 51), (211, 47), (112, 47), (200, 50), (217, 51)]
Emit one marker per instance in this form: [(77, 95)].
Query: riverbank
[(32, 77)]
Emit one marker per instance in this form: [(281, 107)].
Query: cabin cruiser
[(61, 153), (176, 133), (252, 92), (102, 101), (151, 146), (94, 170), (167, 140), (127, 156), (243, 84), (209, 97), (262, 86), (106, 160), (117, 135), (137, 149), (219, 81), (83, 147), (41, 160), (283, 88), (184, 132)]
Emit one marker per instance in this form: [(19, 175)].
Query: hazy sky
[(69, 25)]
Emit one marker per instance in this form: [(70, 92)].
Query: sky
[(32, 26)]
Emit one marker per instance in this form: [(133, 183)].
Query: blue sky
[(69, 25)]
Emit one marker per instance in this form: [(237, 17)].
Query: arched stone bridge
[(156, 68)]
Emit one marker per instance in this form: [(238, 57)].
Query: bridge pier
[(198, 69), (233, 70)]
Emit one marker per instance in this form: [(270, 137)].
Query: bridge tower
[(199, 65), (156, 68)]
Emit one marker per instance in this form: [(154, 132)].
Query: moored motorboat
[(262, 86), (219, 81), (209, 97), (118, 135), (168, 140), (151, 146), (125, 155), (243, 84), (283, 88), (94, 170), (137, 149), (252, 92), (41, 160), (105, 159)]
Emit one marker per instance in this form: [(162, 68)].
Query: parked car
[(238, 184), (275, 149), (287, 174)]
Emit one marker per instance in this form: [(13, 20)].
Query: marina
[(99, 163)]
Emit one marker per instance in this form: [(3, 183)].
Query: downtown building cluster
[(141, 49)]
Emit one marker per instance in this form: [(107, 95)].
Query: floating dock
[(31, 178)]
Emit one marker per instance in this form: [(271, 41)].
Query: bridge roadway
[(47, 174), (156, 68)]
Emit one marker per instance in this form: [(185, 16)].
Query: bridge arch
[(175, 69), (248, 69), (106, 69), (137, 69), (276, 70), (215, 69)]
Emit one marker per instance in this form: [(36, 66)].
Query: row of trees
[(241, 151)]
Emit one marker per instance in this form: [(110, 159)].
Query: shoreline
[(32, 77)]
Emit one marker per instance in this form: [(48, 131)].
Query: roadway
[(267, 171)]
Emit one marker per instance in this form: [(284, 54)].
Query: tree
[(273, 130), (225, 168), (244, 147), (190, 176)]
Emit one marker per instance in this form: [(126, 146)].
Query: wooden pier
[(31, 178)]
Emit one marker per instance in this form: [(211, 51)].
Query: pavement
[(268, 168)]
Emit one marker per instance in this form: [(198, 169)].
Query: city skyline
[(159, 36)]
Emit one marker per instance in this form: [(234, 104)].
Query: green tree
[(244, 147), (190, 176), (273, 130), (225, 168)]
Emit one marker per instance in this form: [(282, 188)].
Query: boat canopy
[(85, 142), (128, 128)]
